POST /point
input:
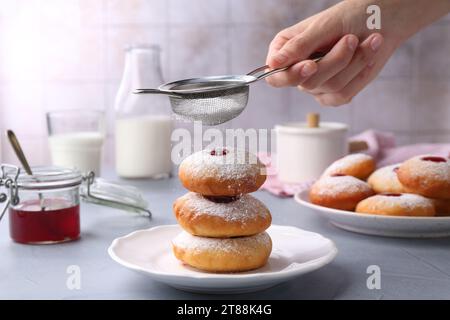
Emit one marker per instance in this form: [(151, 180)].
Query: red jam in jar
[(47, 207), (49, 221)]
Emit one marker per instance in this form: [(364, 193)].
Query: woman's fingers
[(302, 43), (364, 55), (296, 74), (334, 61), (311, 74), (346, 94)]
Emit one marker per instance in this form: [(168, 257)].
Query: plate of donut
[(409, 199), (295, 252)]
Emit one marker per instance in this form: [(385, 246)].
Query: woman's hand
[(355, 54)]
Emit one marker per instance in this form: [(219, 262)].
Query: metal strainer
[(212, 100)]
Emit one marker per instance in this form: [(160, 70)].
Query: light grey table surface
[(410, 269)]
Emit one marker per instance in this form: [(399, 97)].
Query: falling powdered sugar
[(239, 245)]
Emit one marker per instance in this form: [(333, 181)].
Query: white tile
[(432, 138), (302, 9), (272, 13), (20, 46), (441, 138), (22, 112), (197, 12), (402, 139), (383, 105), (77, 13), (71, 53), (302, 103), (19, 11), (63, 96), (197, 51), (35, 149), (18, 28), (400, 64), (431, 106), (118, 38), (433, 56), (120, 12), (249, 45), (276, 13)]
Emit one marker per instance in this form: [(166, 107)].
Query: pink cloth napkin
[(381, 147)]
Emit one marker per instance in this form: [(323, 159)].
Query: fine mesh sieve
[(212, 100)]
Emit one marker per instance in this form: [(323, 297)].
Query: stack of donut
[(224, 226), (419, 186)]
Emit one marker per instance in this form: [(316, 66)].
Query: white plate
[(295, 252), (388, 226)]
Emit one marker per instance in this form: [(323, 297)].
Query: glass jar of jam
[(48, 206), (44, 208)]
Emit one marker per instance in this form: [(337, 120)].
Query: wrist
[(400, 19)]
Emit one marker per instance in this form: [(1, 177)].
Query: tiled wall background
[(69, 54)]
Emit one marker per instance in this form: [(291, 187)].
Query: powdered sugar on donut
[(406, 201), (387, 173), (331, 186), (239, 245), (346, 162), (439, 171), (235, 164), (243, 209)]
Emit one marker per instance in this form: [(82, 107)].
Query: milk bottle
[(143, 123)]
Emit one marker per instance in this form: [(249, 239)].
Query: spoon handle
[(19, 152), (23, 160)]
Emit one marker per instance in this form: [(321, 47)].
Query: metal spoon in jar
[(23, 160)]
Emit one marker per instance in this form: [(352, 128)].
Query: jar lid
[(48, 177)]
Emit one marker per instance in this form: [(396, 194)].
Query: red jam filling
[(434, 159), (392, 194), (338, 175), (223, 152), (218, 199)]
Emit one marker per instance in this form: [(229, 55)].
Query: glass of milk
[(76, 139)]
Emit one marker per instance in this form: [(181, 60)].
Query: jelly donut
[(358, 165), (339, 192), (385, 180), (397, 204), (442, 207), (223, 255), (222, 172), (221, 217), (426, 175)]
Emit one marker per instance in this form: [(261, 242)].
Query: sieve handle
[(157, 91), (258, 75)]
